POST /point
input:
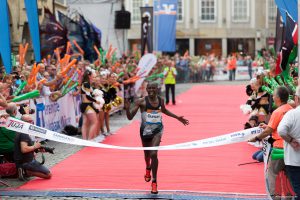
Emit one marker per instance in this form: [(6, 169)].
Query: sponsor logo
[(62, 137), (168, 8), (15, 124), (52, 108), (237, 135), (153, 116), (37, 129), (257, 131)]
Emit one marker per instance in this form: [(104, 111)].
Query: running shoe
[(148, 175), (154, 188)]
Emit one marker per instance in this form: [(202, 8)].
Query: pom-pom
[(98, 94), (246, 109)]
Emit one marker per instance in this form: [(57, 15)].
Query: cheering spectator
[(170, 81), (231, 65), (248, 62), (281, 95), (289, 130)]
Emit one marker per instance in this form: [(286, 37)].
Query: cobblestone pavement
[(63, 151)]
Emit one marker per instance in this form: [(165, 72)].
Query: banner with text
[(231, 138), (55, 115)]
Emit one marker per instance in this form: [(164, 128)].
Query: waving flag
[(90, 39), (290, 39), (98, 36), (53, 34), (279, 32), (74, 30)]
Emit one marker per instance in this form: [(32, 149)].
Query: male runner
[(151, 129)]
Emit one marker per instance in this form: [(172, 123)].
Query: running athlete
[(151, 129)]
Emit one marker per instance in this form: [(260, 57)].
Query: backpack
[(8, 169)]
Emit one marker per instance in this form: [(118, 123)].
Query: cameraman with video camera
[(24, 155)]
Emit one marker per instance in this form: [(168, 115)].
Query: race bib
[(153, 117)]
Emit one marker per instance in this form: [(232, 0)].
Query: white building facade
[(215, 26)]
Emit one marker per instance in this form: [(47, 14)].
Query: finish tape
[(231, 138)]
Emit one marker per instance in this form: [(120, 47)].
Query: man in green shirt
[(7, 137)]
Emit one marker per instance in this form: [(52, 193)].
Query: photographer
[(24, 155)]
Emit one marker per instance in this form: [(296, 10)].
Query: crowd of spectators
[(52, 78), (273, 95), (204, 68)]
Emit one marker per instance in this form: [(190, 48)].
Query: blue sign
[(165, 14)]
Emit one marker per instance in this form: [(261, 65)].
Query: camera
[(46, 149)]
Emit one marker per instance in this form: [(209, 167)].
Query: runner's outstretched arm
[(170, 114)]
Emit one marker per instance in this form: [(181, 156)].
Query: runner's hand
[(184, 121)]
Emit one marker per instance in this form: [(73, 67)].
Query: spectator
[(184, 65), (252, 122), (52, 73), (41, 71), (231, 65), (7, 137), (89, 112), (280, 97), (3, 102), (289, 130), (170, 81), (248, 62), (24, 155), (240, 61)]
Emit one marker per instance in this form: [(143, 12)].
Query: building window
[(272, 11), (180, 10), (207, 10), (240, 10), (136, 11)]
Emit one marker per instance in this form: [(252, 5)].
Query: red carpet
[(212, 111)]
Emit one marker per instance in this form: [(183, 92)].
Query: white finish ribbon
[(231, 138)]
